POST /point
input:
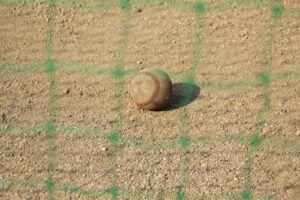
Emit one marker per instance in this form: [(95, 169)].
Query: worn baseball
[(151, 89)]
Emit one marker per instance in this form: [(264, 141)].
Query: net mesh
[(184, 141)]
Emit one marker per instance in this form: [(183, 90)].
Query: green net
[(184, 142)]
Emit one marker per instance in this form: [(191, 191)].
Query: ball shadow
[(183, 94)]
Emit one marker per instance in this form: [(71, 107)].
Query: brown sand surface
[(75, 133)]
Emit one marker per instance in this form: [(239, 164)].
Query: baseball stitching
[(154, 93)]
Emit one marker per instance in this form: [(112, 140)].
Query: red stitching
[(155, 92)]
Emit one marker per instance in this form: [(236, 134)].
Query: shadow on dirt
[(183, 94)]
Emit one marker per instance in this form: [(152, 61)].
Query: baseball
[(151, 89)]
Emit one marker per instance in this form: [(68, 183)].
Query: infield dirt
[(148, 163)]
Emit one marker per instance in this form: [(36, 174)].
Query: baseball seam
[(154, 93)]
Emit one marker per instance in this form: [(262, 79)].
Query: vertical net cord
[(49, 126), (189, 81), (118, 73), (264, 81)]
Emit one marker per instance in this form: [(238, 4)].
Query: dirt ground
[(88, 103)]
